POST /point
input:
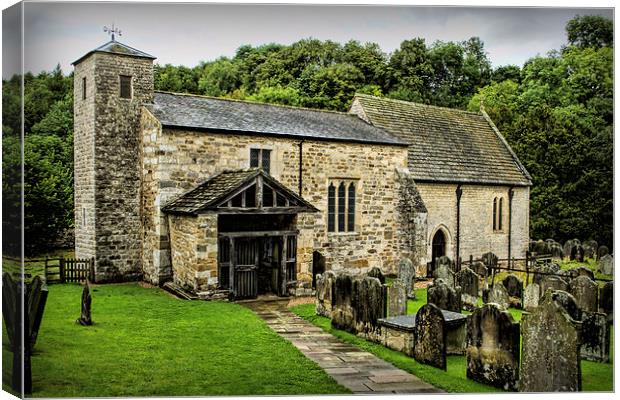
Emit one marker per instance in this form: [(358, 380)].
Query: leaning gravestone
[(568, 248), (595, 335), (324, 293), (514, 287), (468, 281), (406, 273), (444, 296), (566, 300), (590, 248), (531, 297), (553, 282), (343, 316), (375, 272), (85, 317), (429, 337), (493, 347), (499, 295), (606, 265), (397, 298), (551, 354), (556, 249), (585, 292), (606, 300), (445, 273), (602, 252)]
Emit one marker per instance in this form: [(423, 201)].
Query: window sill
[(343, 234)]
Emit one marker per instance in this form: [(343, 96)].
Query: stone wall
[(477, 235), (175, 161), (108, 170)]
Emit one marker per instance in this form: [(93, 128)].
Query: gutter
[(459, 193), (301, 155), (510, 195)]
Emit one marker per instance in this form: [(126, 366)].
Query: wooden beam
[(283, 266), (266, 210), (259, 191), (255, 234), (231, 269)]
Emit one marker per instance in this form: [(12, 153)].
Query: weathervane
[(112, 31)]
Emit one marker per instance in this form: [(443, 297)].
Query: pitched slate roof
[(226, 115), (208, 194), (446, 145), (116, 48)]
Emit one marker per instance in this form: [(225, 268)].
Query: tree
[(219, 78), (590, 31)]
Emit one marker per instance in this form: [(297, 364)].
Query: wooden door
[(246, 268)]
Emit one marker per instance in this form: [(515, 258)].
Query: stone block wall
[(175, 161), (107, 183), (476, 227)]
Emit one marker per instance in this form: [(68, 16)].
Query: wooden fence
[(60, 270)]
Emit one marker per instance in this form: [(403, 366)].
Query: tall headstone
[(551, 350), (85, 316), (479, 268), (493, 347), (590, 248), (324, 292), (514, 287), (541, 247), (445, 260), (556, 249), (566, 300), (445, 273), (369, 303), (499, 296), (343, 316), (568, 248), (595, 337), (397, 298), (606, 265), (602, 252), (490, 260), (429, 336), (585, 292), (468, 281), (577, 253), (606, 299), (444, 296), (531, 297), (406, 273), (553, 282)]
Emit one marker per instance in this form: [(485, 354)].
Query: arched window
[(499, 214), (351, 210), (331, 208), (495, 214), (341, 207)]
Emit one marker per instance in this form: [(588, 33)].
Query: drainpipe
[(459, 193), (510, 194), (301, 147)]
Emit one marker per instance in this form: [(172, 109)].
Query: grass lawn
[(594, 376), (146, 343)]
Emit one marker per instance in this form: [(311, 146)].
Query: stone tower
[(111, 83)]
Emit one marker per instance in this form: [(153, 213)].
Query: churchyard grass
[(146, 343), (595, 376)]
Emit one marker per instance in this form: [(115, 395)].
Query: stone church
[(254, 198)]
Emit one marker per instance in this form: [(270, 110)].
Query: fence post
[(45, 271), (61, 268), (91, 269)]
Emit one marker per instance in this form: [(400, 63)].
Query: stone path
[(360, 371)]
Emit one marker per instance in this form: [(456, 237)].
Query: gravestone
[(602, 252), (514, 287), (479, 268), (445, 273), (324, 292), (590, 247), (606, 265), (541, 247), (375, 272), (556, 249), (606, 299), (369, 303), (493, 347), (553, 282), (444, 296), (585, 292), (581, 271), (445, 260), (499, 295), (577, 253), (551, 349), (406, 273), (554, 267), (429, 337), (568, 248), (397, 298), (490, 260), (566, 300), (343, 316), (595, 337), (531, 297), (468, 281), (85, 317), (540, 271)]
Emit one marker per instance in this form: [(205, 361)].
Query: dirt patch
[(300, 300)]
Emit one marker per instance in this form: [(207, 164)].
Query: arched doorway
[(438, 247)]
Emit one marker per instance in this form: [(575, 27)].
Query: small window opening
[(84, 88), (125, 86)]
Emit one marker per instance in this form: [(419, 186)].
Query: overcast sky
[(188, 33)]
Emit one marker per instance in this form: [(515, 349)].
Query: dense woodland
[(556, 112)]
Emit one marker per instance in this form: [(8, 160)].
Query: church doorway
[(438, 247)]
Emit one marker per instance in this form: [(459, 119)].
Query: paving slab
[(359, 371)]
